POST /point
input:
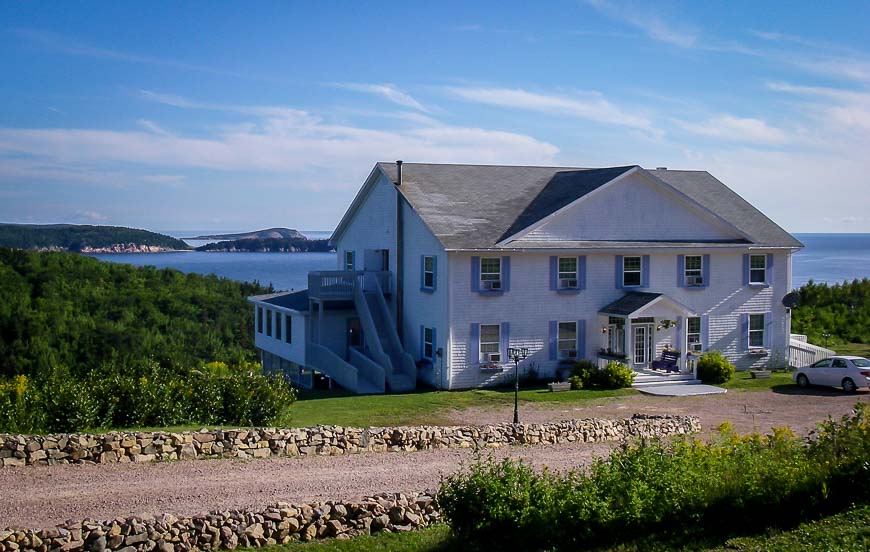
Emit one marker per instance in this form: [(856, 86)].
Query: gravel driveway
[(43, 496)]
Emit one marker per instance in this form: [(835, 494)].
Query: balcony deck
[(339, 285)]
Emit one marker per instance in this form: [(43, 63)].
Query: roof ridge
[(406, 163)]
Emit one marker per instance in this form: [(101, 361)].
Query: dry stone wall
[(109, 448), (280, 524)]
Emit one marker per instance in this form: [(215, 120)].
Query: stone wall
[(279, 524), (27, 450)]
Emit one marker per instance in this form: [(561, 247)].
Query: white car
[(849, 372)]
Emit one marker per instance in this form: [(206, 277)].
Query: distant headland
[(269, 233), (83, 238)]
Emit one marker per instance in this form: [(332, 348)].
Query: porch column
[(683, 341), (320, 323), (627, 347)]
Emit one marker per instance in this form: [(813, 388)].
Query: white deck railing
[(801, 353), (340, 284)]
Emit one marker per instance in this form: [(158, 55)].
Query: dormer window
[(631, 271)]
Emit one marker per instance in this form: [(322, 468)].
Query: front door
[(642, 343), (377, 260), (354, 335)]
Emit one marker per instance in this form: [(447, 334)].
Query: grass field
[(857, 349), (848, 531)]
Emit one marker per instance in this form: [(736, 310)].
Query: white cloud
[(653, 25), (387, 91), (740, 129), (89, 216), (590, 105)]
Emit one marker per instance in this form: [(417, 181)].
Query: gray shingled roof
[(629, 303), (295, 300), (477, 206)]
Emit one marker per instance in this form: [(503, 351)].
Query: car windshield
[(861, 362)]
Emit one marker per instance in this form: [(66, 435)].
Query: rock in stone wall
[(27, 450), (280, 524)]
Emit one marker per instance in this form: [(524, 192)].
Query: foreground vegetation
[(73, 237), (86, 344), (676, 492)]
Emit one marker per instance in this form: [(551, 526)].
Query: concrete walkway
[(681, 390)]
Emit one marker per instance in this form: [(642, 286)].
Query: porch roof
[(633, 303), (293, 300)]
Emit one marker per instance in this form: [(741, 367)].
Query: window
[(260, 319), (567, 272), (428, 343), (490, 273), (757, 269), (693, 334), (277, 325), (288, 328), (490, 343), (428, 272), (631, 271), (756, 330), (824, 363), (269, 323), (567, 340), (694, 270), (839, 363), (616, 336), (348, 260)]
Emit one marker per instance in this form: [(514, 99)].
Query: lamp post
[(518, 354)]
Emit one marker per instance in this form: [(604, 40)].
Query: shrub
[(677, 488), (585, 373), (616, 375), (576, 382), (714, 368)]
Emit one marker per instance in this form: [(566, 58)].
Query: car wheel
[(849, 385), (802, 381)]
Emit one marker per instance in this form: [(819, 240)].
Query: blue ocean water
[(830, 258)]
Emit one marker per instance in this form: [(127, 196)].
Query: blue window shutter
[(618, 271), (681, 270), (768, 274), (644, 271), (506, 273), (474, 345), (554, 273), (768, 323), (746, 269), (422, 271), (705, 332), (434, 273), (581, 272), (475, 274), (705, 271), (581, 339), (505, 340), (554, 336), (422, 341), (744, 332)]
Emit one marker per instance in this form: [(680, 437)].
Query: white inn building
[(442, 268)]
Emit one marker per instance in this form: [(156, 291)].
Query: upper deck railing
[(340, 284)]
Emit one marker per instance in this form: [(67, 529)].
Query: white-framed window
[(259, 319), (756, 330), (490, 273), (429, 343), (757, 269), (277, 325), (694, 270), (631, 269), (490, 343), (567, 340), (429, 272), (349, 260), (288, 328), (568, 277), (269, 323), (616, 335), (693, 334)]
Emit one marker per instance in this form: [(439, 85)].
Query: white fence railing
[(801, 353)]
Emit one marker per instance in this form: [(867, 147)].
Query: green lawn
[(744, 380), (427, 407), (857, 349), (845, 532)]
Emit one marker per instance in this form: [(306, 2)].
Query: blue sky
[(237, 116)]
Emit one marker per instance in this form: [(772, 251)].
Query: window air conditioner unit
[(492, 357), (568, 283), (695, 347), (492, 285), (694, 280), (572, 354)]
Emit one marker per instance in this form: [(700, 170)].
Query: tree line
[(72, 237), (840, 310)]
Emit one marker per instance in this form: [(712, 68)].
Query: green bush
[(616, 375), (714, 368), (584, 374), (654, 487)]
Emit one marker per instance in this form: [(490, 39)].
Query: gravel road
[(44, 496)]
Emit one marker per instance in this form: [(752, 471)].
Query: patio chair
[(668, 362)]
